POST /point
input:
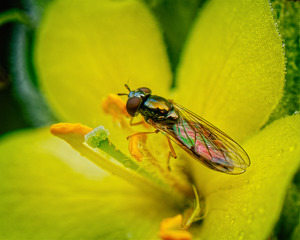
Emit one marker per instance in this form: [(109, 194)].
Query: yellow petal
[(48, 191), (232, 71), (86, 50), (247, 206)]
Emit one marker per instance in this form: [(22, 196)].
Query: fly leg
[(172, 153), (134, 124), (138, 133), (139, 123)]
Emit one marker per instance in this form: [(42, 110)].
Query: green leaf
[(290, 216), (175, 18), (286, 14), (296, 233), (14, 15)]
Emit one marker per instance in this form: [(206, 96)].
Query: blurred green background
[(11, 114)]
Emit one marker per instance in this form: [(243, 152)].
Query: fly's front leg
[(172, 153), (143, 122), (134, 124), (138, 133)]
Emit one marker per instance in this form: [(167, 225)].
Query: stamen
[(114, 106), (136, 147), (196, 213), (170, 229), (130, 171), (97, 138), (74, 134)]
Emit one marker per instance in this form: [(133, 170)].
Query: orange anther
[(170, 229), (136, 146), (69, 128), (115, 106)]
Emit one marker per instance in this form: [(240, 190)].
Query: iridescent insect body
[(195, 135)]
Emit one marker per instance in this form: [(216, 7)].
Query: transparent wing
[(205, 142)]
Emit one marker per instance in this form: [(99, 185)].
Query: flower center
[(146, 166), (154, 152), (151, 151)]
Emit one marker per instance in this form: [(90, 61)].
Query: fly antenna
[(122, 94), (127, 87)]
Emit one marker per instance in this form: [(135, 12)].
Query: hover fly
[(200, 139)]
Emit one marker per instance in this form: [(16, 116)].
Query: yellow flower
[(231, 73)]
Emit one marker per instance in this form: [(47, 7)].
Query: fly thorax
[(156, 108)]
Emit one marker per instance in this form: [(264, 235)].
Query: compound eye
[(132, 105), (145, 90)]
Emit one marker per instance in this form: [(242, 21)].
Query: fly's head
[(135, 99)]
